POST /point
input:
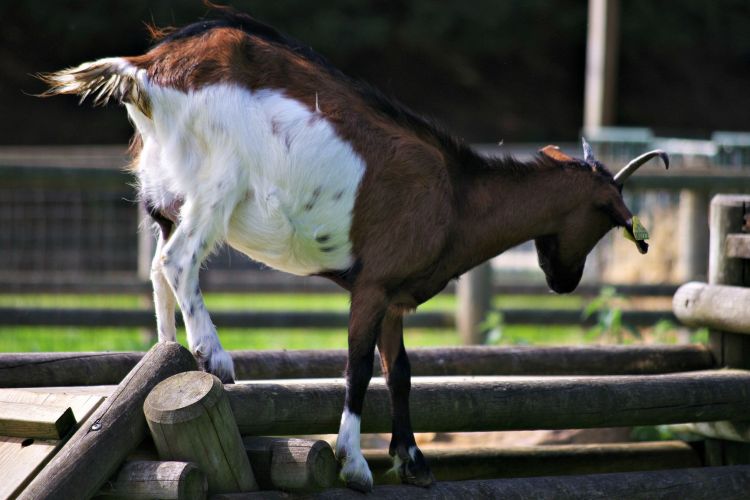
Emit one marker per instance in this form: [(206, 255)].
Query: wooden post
[(163, 480), (727, 216), (116, 428), (601, 64), (693, 234), (289, 464), (718, 307), (190, 420), (474, 298)]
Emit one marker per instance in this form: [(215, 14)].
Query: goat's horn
[(631, 167), (588, 153)]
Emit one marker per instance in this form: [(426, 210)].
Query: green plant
[(493, 324), (609, 324)]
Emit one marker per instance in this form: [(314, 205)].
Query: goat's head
[(562, 254)]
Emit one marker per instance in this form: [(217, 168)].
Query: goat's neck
[(501, 208)]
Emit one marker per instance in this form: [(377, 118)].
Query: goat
[(247, 136)]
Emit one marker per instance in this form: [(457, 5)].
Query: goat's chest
[(273, 174)]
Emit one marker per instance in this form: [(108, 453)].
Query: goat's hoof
[(413, 469), (218, 364), (356, 474)]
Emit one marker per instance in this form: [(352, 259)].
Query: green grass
[(28, 339)]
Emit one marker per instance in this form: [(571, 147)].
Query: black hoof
[(414, 470), (361, 486)]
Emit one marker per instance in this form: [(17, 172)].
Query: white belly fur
[(289, 179)]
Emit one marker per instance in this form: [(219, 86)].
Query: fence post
[(473, 301), (727, 216), (693, 234)]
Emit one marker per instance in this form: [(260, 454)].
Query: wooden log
[(163, 480), (731, 482), (35, 421), (103, 441), (69, 369), (190, 420), (65, 368), (461, 464), (291, 464), (447, 404), (714, 306)]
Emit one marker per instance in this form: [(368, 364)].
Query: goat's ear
[(555, 153)]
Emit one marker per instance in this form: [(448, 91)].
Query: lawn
[(25, 339)]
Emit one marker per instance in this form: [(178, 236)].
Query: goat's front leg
[(367, 310), (408, 460), (164, 302), (181, 259)]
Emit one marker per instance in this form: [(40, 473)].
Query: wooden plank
[(738, 246), (726, 483), (718, 307), (445, 404), (20, 460), (461, 464), (69, 369), (35, 421), (96, 450), (82, 405)]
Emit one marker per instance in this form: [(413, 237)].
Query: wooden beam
[(601, 64), (98, 368), (448, 404), (474, 300), (96, 450), (461, 464), (705, 482), (152, 479), (714, 306), (190, 420), (35, 420)]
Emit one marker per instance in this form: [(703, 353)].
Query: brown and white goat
[(251, 138)]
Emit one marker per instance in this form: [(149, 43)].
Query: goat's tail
[(105, 79)]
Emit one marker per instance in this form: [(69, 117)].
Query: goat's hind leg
[(180, 260), (408, 460)]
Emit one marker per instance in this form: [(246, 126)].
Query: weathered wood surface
[(96, 450), (738, 246), (35, 421), (719, 307), (92, 368), (445, 404), (291, 464), (20, 460), (65, 368), (726, 483), (461, 464), (82, 405), (153, 479), (190, 420), (473, 302)]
